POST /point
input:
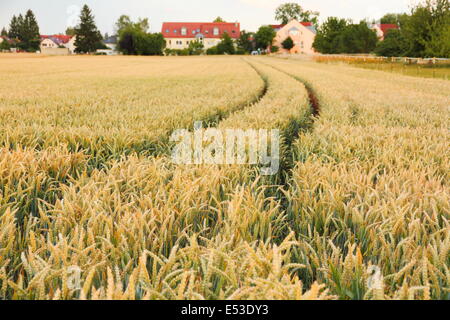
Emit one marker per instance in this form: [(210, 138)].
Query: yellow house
[(302, 33)]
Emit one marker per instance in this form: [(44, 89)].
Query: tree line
[(425, 32), (338, 35)]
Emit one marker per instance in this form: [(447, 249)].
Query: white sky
[(55, 15)]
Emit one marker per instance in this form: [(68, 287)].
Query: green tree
[(30, 35), (393, 45), (195, 48), (327, 37), (14, 27), (288, 11), (4, 45), (437, 45), (122, 23), (391, 18), (25, 30), (155, 44), (70, 31), (128, 40), (87, 34), (125, 22), (226, 46), (218, 19), (288, 43), (134, 39), (426, 28), (245, 41), (264, 37), (4, 33), (357, 38)]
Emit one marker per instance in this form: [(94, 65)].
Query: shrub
[(212, 51), (288, 44)]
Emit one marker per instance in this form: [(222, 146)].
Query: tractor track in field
[(214, 120), (288, 160), (312, 95)]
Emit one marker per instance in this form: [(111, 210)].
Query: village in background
[(424, 32)]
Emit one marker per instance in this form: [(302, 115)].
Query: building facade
[(302, 33), (179, 35), (57, 41)]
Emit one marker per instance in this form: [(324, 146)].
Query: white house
[(57, 41), (111, 43), (179, 35)]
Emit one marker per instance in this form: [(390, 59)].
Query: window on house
[(183, 31), (167, 31), (216, 31)]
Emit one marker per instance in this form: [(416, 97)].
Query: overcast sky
[(55, 15)]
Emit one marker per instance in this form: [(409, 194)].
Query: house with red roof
[(179, 35), (51, 42), (382, 29), (302, 33)]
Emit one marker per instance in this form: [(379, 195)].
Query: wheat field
[(88, 187)]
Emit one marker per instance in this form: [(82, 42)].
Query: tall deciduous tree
[(426, 29), (124, 22), (87, 34), (338, 36), (226, 46), (264, 37), (134, 39), (245, 42), (288, 11), (393, 45), (327, 38), (357, 38), (391, 18), (70, 31)]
